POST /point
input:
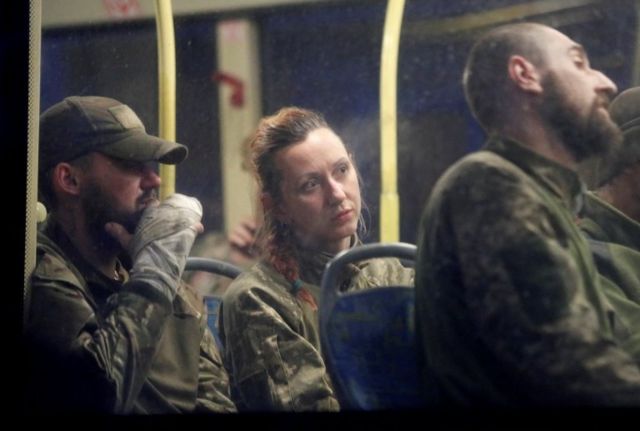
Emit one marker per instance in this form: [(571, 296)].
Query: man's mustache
[(148, 196)]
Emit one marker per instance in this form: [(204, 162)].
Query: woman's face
[(320, 191)]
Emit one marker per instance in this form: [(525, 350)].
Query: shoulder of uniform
[(475, 165), (380, 264), (386, 271), (260, 282), (488, 161), (51, 265)]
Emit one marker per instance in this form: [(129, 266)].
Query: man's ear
[(524, 74), (65, 179)]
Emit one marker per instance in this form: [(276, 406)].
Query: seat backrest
[(215, 266), (219, 267), (368, 336)]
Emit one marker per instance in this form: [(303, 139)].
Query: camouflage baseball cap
[(81, 124), (624, 111)]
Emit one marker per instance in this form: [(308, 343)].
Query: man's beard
[(99, 210), (586, 137)]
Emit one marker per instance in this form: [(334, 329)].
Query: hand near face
[(124, 237), (162, 242), (120, 233), (242, 236)]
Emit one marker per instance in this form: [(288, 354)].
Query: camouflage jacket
[(271, 337), (614, 239), (96, 344), (509, 306)]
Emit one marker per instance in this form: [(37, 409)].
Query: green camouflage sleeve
[(627, 317), (213, 382), (382, 272), (271, 363), (522, 264), (99, 361)]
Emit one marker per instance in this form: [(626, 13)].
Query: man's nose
[(605, 84), (150, 178)]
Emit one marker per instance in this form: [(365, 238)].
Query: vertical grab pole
[(33, 207), (389, 201), (166, 88)]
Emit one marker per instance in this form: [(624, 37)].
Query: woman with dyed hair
[(310, 195)]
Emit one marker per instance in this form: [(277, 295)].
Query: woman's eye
[(309, 185)]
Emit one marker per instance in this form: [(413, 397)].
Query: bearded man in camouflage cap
[(104, 335)]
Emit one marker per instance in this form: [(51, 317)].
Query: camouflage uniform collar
[(559, 180), (51, 232), (611, 224), (313, 262)]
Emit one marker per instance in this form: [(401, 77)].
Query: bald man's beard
[(99, 209), (593, 135)]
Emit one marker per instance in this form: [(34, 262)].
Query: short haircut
[(485, 74)]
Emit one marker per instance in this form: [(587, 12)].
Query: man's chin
[(599, 140), (131, 221), (610, 138), (107, 243)]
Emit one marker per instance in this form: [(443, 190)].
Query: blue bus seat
[(212, 303), (368, 336)]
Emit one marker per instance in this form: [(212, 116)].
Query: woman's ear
[(524, 74), (269, 204), (65, 179), (266, 201)]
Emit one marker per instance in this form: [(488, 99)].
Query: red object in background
[(122, 8), (237, 87)]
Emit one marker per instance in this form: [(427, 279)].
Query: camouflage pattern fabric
[(271, 337), (614, 239), (509, 306), (98, 345)]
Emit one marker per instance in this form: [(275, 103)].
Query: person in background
[(237, 247), (510, 310), (310, 195), (610, 217), (102, 337)]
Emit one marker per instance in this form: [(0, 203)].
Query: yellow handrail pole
[(33, 207), (389, 201), (166, 88)]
